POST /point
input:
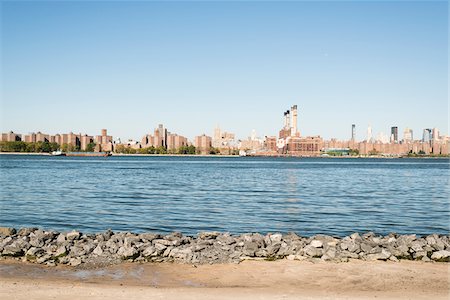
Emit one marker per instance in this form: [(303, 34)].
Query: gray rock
[(383, 255), (98, 250), (250, 248), (313, 251), (208, 235), (441, 255), (61, 251), (61, 238), (73, 235), (76, 261), (128, 253), (275, 238), (150, 251), (316, 243)]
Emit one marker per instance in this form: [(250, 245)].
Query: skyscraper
[(369, 134), (394, 134), (426, 135), (408, 135), (353, 132)]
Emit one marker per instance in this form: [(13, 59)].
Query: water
[(192, 194)]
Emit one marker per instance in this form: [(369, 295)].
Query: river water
[(242, 194)]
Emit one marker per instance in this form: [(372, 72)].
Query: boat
[(57, 153), (85, 154)]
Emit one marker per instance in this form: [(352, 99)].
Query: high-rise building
[(435, 134), (408, 135), (294, 128), (353, 132), (394, 134), (203, 144), (427, 132), (369, 134)]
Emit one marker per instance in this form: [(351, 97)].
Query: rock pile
[(74, 248)]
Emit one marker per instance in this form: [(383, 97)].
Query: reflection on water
[(191, 194)]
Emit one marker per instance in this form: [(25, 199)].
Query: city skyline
[(193, 66)]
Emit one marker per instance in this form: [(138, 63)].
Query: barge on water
[(84, 154)]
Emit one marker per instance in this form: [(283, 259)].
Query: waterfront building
[(203, 143), (104, 142), (10, 137), (175, 141), (85, 140)]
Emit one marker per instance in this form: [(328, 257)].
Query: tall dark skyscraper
[(394, 134), (353, 132)]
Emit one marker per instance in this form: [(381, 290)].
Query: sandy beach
[(248, 280)]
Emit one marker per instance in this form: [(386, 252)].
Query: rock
[(393, 258), (13, 249), (355, 236), (149, 251), (149, 236), (61, 238), (250, 248), (26, 231), (7, 231), (76, 261), (128, 253), (383, 255), (275, 238), (273, 249), (365, 247), (316, 243), (61, 251), (73, 235), (43, 258), (98, 250), (162, 242), (419, 255), (208, 235), (312, 251), (441, 256)]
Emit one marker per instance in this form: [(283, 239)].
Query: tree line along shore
[(47, 147), (19, 147), (75, 248)]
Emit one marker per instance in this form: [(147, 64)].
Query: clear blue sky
[(127, 66)]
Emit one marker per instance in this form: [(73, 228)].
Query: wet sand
[(249, 280)]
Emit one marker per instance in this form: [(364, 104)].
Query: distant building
[(353, 132), (203, 143), (10, 137), (369, 134), (104, 142), (408, 135), (394, 134), (435, 134), (427, 134)]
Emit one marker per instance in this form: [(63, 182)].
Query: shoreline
[(248, 280), (237, 156), (53, 248)]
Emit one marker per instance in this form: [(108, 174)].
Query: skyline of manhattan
[(130, 67)]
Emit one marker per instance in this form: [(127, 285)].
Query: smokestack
[(294, 120), (285, 119), (288, 119)]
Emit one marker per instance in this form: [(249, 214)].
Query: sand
[(249, 280)]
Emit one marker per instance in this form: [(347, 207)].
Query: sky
[(127, 66)]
